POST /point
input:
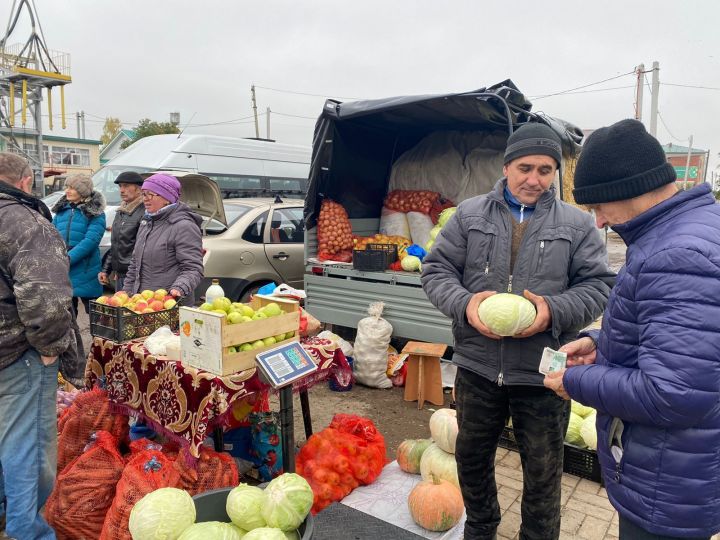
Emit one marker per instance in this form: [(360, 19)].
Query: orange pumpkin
[(436, 505), (409, 453)]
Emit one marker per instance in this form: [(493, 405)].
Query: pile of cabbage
[(443, 218), (273, 513), (581, 429)]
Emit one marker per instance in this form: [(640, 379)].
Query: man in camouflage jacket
[(36, 327)]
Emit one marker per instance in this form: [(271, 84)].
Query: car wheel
[(252, 290)]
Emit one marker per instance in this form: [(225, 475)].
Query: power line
[(303, 93), (692, 86), (589, 91), (583, 86), (662, 120), (294, 115)]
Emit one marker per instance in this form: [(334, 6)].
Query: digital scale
[(281, 367)]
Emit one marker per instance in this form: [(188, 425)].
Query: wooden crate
[(205, 336)]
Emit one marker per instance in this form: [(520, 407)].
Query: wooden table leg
[(307, 419), (287, 428)]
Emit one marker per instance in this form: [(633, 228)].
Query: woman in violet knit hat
[(168, 248)]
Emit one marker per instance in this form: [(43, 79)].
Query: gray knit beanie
[(81, 183)]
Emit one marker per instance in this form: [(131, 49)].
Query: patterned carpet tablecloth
[(183, 402)]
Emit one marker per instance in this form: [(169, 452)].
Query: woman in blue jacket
[(80, 219)]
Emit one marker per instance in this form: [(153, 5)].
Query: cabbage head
[(244, 504), (289, 498), (507, 314), (588, 431), (445, 215), (212, 529), (573, 432), (410, 263), (265, 533), (163, 514), (581, 410)]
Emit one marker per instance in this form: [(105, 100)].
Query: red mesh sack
[(213, 470), (402, 200), (85, 490), (341, 457), (89, 413), (438, 206), (146, 471), (335, 241)]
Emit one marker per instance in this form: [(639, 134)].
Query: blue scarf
[(519, 211)]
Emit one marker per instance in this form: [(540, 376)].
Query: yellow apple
[(147, 295), (160, 294), (169, 304)]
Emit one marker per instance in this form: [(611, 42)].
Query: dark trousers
[(630, 531), (539, 419), (85, 302)]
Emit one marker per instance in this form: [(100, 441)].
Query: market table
[(185, 403)]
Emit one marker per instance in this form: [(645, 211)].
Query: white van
[(241, 167)]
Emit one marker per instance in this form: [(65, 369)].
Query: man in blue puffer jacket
[(653, 370)]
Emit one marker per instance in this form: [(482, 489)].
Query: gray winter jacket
[(168, 253), (561, 258), (35, 290)]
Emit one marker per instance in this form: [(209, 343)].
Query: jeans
[(539, 420), (28, 444), (630, 531), (119, 282)]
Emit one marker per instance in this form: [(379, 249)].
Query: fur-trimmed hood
[(93, 206)]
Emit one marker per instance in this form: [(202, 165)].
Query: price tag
[(285, 364)]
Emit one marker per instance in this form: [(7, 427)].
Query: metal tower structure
[(26, 70)]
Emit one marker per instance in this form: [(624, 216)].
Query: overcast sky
[(136, 59)]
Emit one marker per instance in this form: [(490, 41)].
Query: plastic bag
[(309, 325), (90, 412), (214, 470), (411, 200), (420, 227), (266, 448), (334, 232), (347, 454), (345, 346), (370, 351), (85, 490), (394, 223), (145, 472), (157, 342)]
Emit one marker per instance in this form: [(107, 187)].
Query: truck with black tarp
[(451, 145)]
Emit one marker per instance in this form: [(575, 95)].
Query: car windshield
[(104, 181), (232, 213)]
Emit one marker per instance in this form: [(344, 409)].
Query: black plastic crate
[(577, 461), (119, 324), (375, 257), (390, 251), (582, 462)]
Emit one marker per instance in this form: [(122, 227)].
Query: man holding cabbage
[(653, 370), (518, 239)]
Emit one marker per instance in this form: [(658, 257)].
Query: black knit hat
[(129, 177), (620, 162), (531, 140)]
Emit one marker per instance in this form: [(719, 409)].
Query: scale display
[(285, 364)]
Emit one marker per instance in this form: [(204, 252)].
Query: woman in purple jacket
[(653, 370), (168, 248)]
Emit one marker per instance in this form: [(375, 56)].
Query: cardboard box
[(206, 336)]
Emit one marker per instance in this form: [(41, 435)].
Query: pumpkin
[(444, 429), (409, 453), (437, 461), (436, 505)]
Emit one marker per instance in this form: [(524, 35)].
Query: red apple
[(156, 305)]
